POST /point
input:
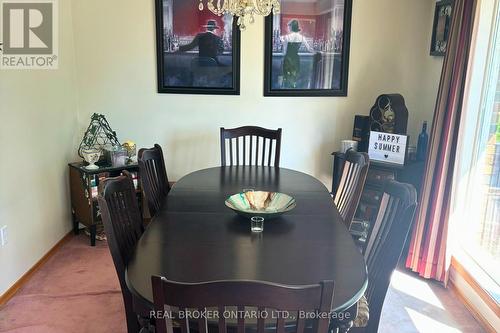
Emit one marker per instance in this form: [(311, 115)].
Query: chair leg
[(342, 324), (76, 229), (337, 326), (143, 311), (93, 231), (345, 327), (132, 320), (145, 325), (340, 328)]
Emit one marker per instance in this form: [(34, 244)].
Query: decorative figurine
[(131, 148)]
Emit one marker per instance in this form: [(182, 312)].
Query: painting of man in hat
[(198, 51), (209, 44)]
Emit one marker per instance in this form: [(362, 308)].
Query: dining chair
[(242, 295), (383, 251), (153, 175), (250, 145), (351, 184), (123, 226)]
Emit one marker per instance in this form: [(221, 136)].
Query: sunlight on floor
[(416, 305), (415, 287), (424, 323)]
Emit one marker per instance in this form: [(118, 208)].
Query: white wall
[(37, 126), (115, 50)]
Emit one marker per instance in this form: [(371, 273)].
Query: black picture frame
[(342, 88), (164, 88), (441, 27)]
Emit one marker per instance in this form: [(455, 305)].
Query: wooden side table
[(84, 185)]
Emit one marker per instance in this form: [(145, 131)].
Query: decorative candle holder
[(119, 156)]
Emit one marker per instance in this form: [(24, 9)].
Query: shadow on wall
[(324, 163), (192, 152)]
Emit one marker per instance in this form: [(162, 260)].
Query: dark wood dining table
[(196, 238)]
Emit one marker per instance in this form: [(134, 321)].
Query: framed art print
[(307, 48), (197, 52), (441, 27)]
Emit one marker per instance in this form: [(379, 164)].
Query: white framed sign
[(387, 147)]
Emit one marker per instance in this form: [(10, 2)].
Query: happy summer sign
[(387, 147)]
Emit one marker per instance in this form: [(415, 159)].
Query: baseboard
[(480, 319), (5, 297), (475, 285)]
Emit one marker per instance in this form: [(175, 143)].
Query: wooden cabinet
[(84, 188)]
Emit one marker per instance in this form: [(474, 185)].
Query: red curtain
[(428, 248)]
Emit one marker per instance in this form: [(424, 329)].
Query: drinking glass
[(257, 224)]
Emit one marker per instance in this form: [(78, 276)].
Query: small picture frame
[(441, 27)]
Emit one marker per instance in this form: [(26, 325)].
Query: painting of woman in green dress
[(291, 46), (307, 48)]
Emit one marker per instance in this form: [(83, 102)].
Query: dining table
[(196, 238)]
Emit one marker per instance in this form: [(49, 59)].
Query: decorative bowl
[(91, 156), (260, 203)]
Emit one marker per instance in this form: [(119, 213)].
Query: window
[(478, 173), (482, 234)]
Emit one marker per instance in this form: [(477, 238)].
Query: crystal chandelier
[(242, 9)]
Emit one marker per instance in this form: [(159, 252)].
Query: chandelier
[(242, 9)]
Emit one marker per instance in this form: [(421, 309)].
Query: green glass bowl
[(265, 204)]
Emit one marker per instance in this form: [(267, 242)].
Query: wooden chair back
[(241, 295), (123, 226), (386, 242), (153, 175), (250, 145), (352, 182)]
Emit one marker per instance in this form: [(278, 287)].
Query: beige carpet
[(77, 291)]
